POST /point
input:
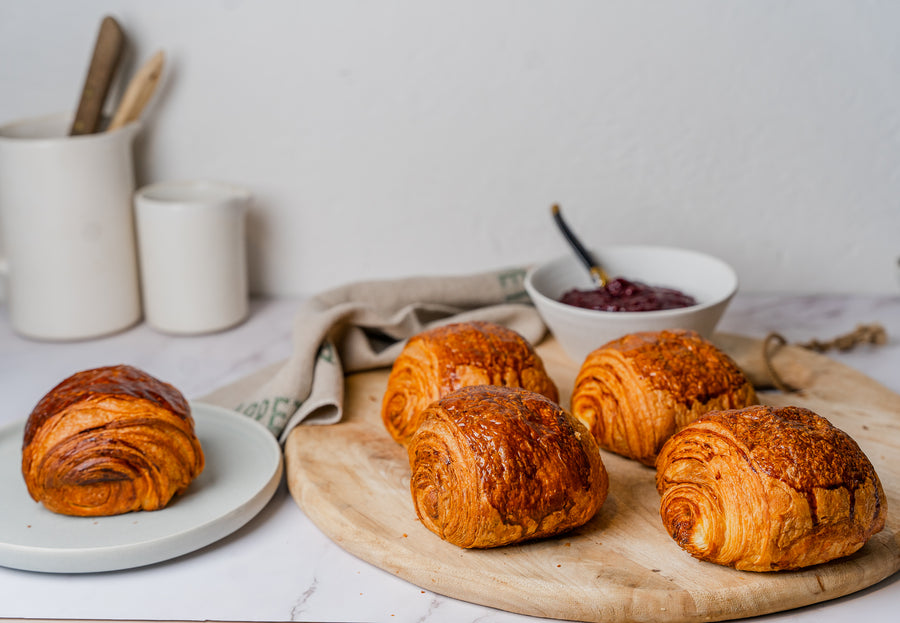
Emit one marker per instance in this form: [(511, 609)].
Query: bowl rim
[(559, 306)]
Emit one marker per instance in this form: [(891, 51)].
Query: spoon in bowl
[(598, 275)]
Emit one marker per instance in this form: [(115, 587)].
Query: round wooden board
[(352, 480)]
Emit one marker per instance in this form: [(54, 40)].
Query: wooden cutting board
[(352, 480)]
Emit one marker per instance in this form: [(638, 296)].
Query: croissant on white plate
[(496, 465), (108, 441), (766, 489), (440, 360), (637, 391)]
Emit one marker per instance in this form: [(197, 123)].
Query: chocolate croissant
[(637, 391), (765, 488), (109, 441), (441, 360), (497, 465)]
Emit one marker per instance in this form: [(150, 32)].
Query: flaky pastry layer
[(441, 360), (637, 391), (108, 441), (495, 465), (766, 489)]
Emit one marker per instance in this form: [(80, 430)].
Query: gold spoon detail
[(598, 275)]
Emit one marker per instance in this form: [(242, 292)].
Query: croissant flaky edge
[(438, 361), (637, 391), (108, 441), (494, 465), (766, 489)]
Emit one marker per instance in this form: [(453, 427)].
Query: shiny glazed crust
[(765, 489), (495, 465), (637, 391), (108, 441), (441, 360)]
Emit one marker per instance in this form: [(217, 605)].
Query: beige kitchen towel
[(363, 326)]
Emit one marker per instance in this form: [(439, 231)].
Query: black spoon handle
[(597, 274)]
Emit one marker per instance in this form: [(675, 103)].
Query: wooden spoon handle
[(107, 51), (139, 91)]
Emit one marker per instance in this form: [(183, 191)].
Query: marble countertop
[(279, 566)]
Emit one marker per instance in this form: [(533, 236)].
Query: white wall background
[(390, 138)]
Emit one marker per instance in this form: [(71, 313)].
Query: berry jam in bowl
[(650, 288), (624, 295)]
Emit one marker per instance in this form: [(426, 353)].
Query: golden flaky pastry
[(496, 465), (109, 441), (765, 488), (637, 391), (441, 360)]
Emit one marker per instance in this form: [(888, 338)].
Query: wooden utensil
[(107, 52), (138, 92)]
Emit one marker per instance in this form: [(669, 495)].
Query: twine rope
[(871, 334)]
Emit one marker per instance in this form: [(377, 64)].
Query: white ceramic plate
[(243, 470)]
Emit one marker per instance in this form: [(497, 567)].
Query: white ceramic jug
[(67, 228), (192, 250)]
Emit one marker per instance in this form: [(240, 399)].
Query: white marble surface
[(280, 567)]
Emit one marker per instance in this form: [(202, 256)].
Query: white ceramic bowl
[(579, 331)]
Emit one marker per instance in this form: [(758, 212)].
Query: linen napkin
[(362, 326)]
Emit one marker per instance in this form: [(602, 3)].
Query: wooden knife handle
[(107, 52), (138, 92)]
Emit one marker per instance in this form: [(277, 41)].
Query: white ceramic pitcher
[(192, 251), (67, 229)]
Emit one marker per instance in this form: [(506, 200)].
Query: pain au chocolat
[(637, 391), (440, 360), (767, 489), (496, 465), (108, 441)]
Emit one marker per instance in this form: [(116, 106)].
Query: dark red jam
[(622, 295)]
